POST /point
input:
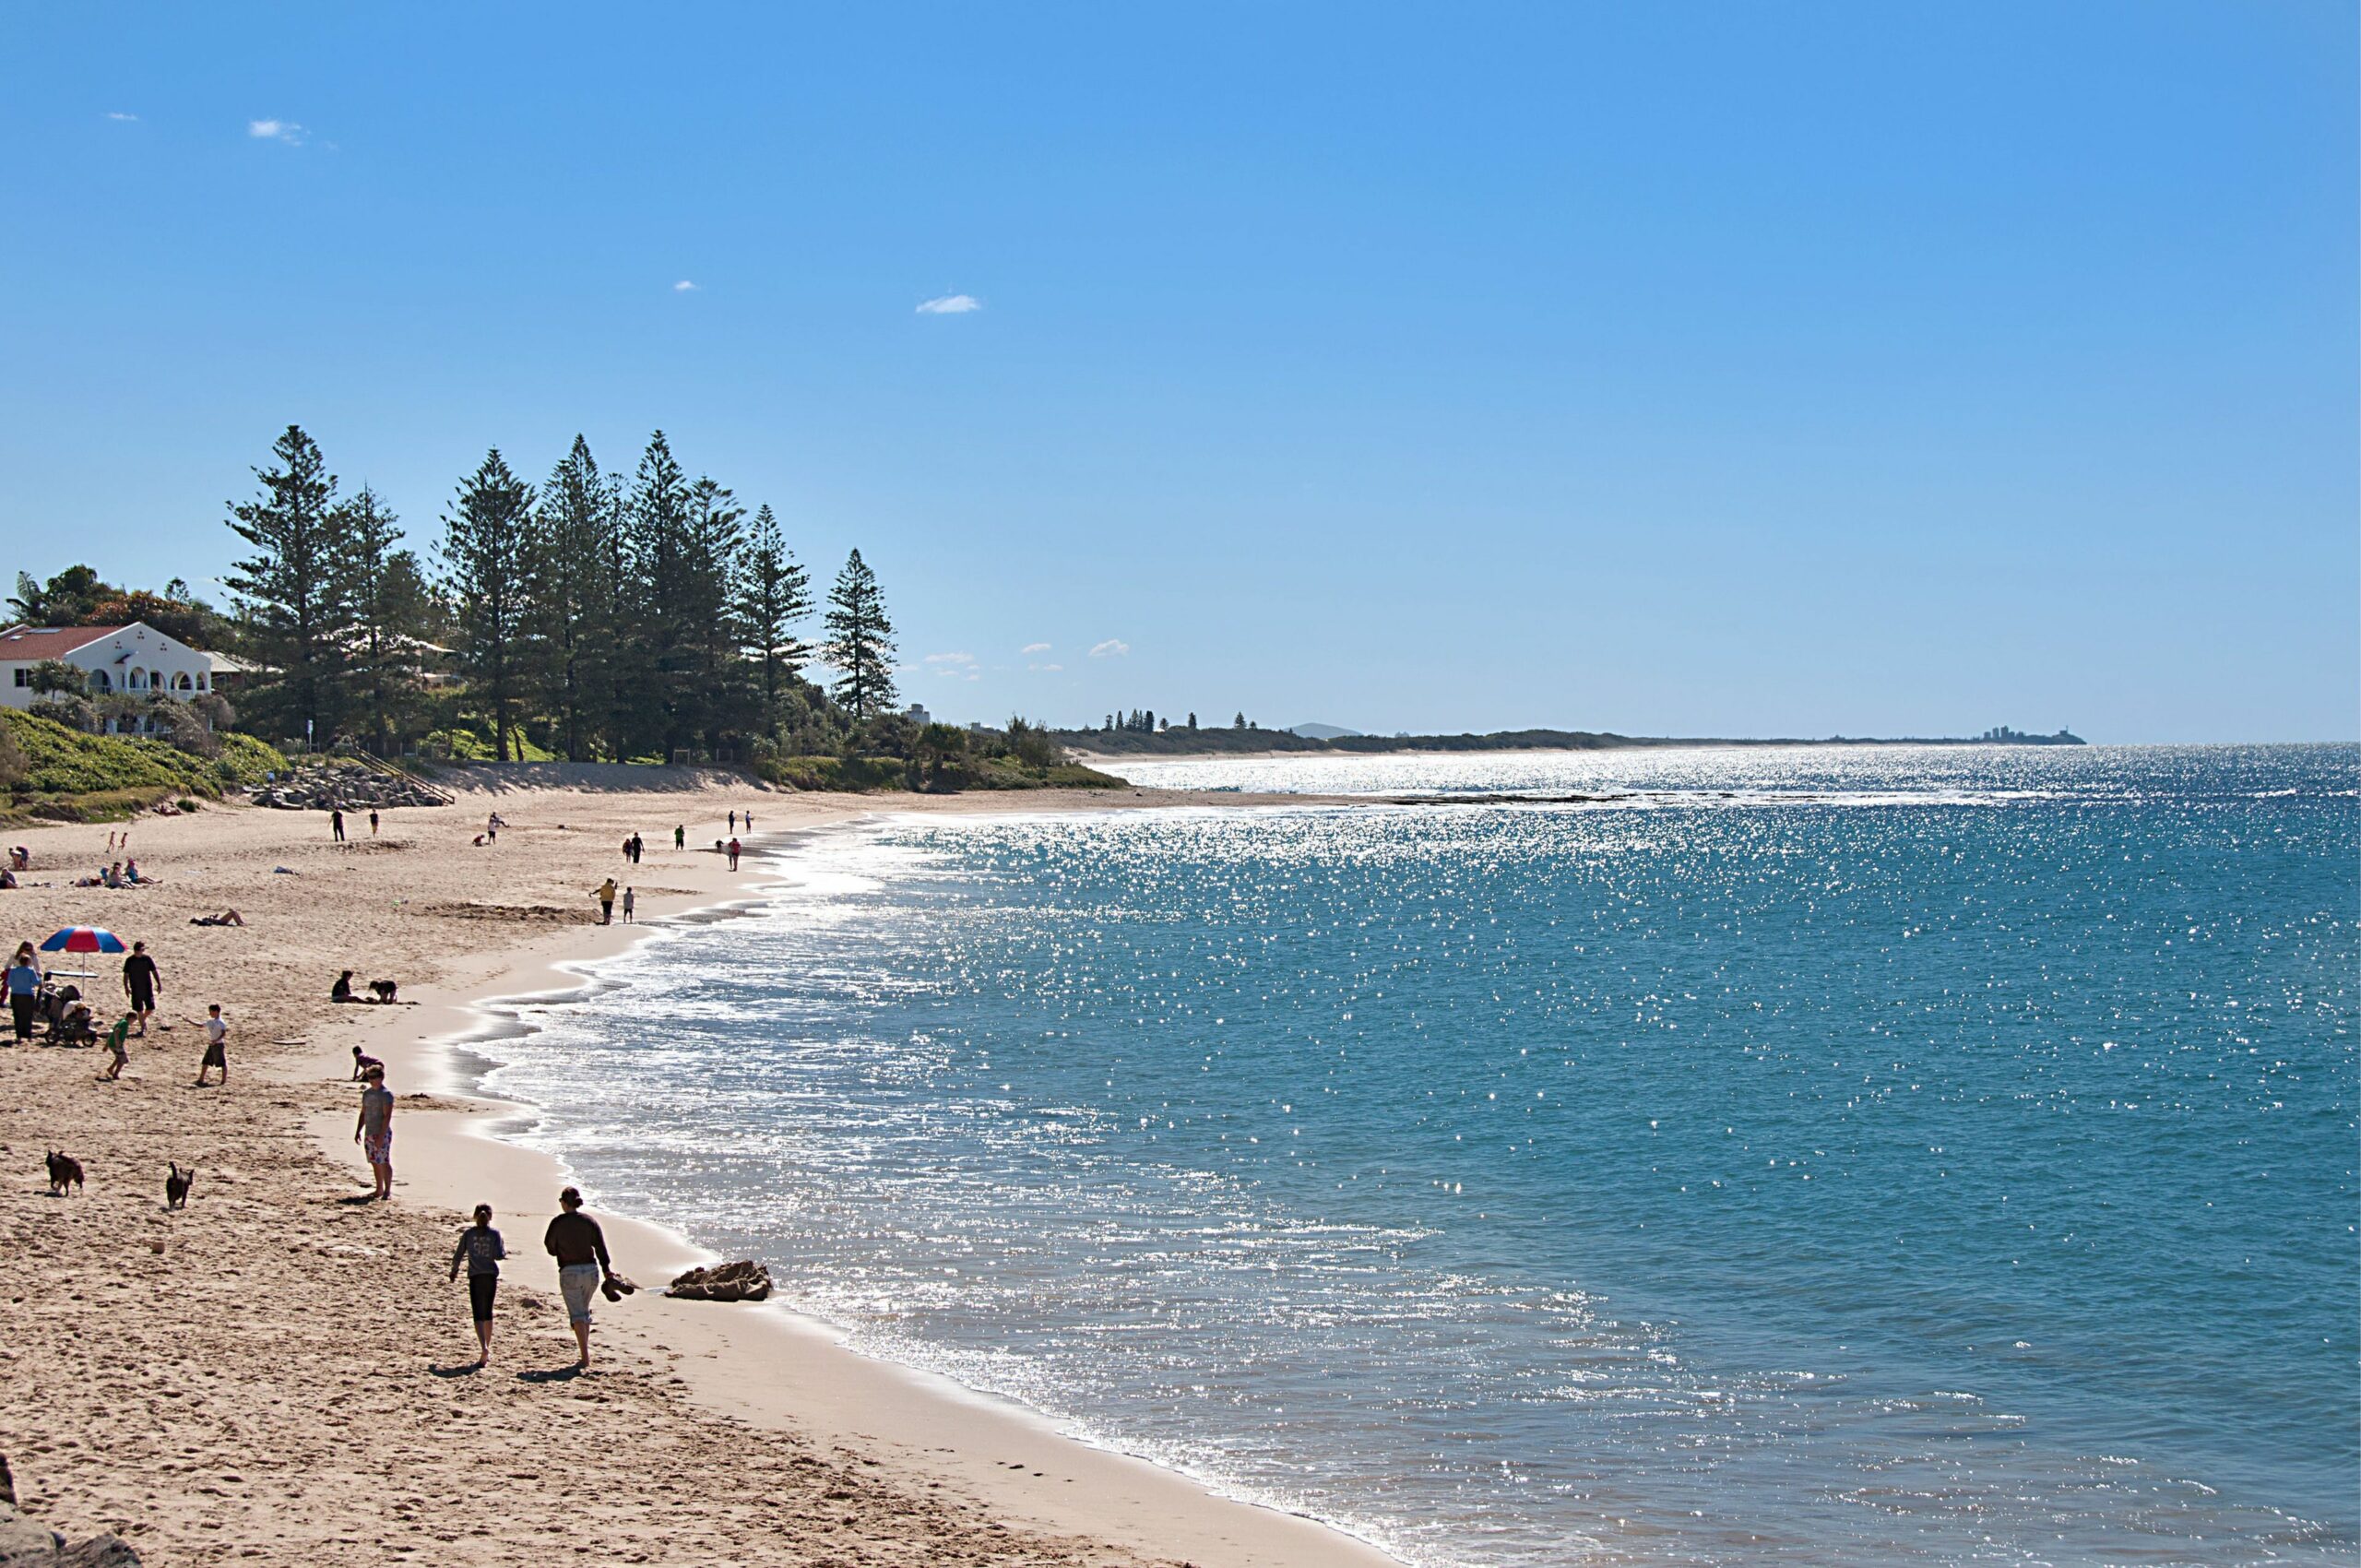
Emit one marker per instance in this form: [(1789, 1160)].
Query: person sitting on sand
[(483, 1248), (342, 990), (115, 1037), (7, 879), (605, 894), (216, 1043), (580, 1248), (374, 1129)]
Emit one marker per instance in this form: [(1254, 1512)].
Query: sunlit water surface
[(1816, 1156)]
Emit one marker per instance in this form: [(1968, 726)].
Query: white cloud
[(684, 287), (951, 658), (1045, 669), (119, 114), (286, 131), (1035, 647), (1112, 648), (950, 304)]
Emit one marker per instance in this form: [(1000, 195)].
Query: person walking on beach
[(373, 1131), (733, 854), (336, 824), (480, 1245), (115, 1046), (580, 1248), (217, 1046), (606, 897), (629, 905), (372, 822), (140, 978), (733, 821), (24, 992), (680, 837)]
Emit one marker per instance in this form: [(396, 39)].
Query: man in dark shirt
[(580, 1248), (140, 978)]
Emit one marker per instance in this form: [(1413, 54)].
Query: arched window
[(99, 683), (181, 682)]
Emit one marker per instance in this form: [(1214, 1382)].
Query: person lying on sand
[(227, 917)]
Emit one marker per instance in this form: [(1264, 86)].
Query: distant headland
[(1141, 733)]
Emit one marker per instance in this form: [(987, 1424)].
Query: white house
[(136, 660)]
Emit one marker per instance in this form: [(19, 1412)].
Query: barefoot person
[(373, 1129), (605, 894), (115, 1045), (480, 1245), (580, 1248), (216, 1045), (139, 984), (630, 904)]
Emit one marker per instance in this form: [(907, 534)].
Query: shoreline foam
[(734, 1358)]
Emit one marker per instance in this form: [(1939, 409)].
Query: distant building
[(135, 660), (917, 714)]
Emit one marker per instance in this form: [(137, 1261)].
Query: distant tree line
[(590, 616)]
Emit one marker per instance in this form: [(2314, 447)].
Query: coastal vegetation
[(593, 616)]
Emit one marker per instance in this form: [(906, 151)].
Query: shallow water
[(1822, 1156)]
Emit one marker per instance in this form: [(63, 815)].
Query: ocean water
[(1804, 1155)]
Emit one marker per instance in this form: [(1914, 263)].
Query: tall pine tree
[(860, 641), (392, 607), (774, 595), (294, 594), (657, 526), (709, 699), (576, 616), (488, 575)]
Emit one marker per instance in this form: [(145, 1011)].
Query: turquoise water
[(1815, 1156)]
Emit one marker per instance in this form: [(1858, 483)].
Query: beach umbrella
[(83, 939)]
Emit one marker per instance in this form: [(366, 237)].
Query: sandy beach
[(280, 1372)]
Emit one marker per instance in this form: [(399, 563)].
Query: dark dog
[(384, 989), (65, 1171), (176, 1185)]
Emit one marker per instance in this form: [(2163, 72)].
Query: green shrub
[(247, 761)]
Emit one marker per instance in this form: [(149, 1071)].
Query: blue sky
[(1719, 369)]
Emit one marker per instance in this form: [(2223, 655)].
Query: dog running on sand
[(177, 1184), (65, 1170)]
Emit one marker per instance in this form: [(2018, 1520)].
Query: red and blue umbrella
[(83, 939)]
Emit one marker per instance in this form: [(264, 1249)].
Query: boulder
[(745, 1280), (24, 1544)]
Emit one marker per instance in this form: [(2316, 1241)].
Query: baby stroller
[(70, 1018)]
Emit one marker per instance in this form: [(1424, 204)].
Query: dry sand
[(277, 1373)]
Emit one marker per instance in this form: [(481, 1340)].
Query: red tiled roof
[(50, 642)]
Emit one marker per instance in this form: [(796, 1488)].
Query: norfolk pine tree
[(774, 593), (294, 594), (576, 578), (488, 577), (392, 607), (860, 641)]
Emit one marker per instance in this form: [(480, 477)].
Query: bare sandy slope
[(277, 1374)]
